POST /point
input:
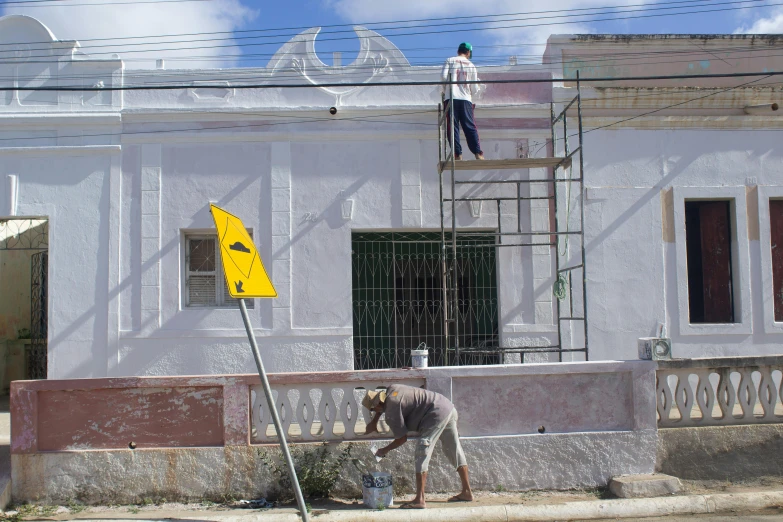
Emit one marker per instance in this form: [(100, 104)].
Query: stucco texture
[(732, 453), (516, 463)]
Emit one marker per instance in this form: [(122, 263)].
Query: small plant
[(33, 510), (227, 498), (208, 503), (499, 488), (146, 501), (160, 501), (23, 333), (75, 507), (134, 510), (308, 507), (381, 505), (316, 468)]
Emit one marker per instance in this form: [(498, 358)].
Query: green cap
[(465, 47)]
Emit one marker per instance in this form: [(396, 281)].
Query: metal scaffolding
[(570, 283)]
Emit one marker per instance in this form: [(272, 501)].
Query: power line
[(369, 119), (373, 24), (225, 127), (472, 22), (394, 84), (607, 56), (249, 75), (419, 33), (101, 4)]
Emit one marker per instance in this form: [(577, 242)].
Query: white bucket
[(377, 490), (419, 358)]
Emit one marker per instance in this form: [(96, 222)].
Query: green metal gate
[(398, 300)]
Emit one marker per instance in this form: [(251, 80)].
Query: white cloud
[(84, 23), (537, 31), (770, 25)]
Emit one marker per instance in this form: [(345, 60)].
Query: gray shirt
[(414, 409)]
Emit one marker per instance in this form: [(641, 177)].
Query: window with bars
[(205, 285), (398, 299)]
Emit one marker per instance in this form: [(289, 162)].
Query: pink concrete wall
[(508, 405), (113, 418), (168, 412)]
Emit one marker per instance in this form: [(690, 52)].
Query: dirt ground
[(177, 510)]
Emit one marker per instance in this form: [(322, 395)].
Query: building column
[(150, 237), (281, 235)]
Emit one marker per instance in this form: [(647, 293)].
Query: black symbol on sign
[(239, 247), (238, 284)]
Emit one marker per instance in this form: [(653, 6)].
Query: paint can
[(419, 356), (377, 490)]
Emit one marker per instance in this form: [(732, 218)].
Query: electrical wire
[(392, 84), (517, 26), (440, 25), (298, 120), (373, 24)]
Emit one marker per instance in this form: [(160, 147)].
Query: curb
[(586, 510)]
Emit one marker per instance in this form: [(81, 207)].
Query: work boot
[(458, 157), (480, 156)]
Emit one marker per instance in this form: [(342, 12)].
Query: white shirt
[(462, 70)]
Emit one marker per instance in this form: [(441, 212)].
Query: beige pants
[(449, 441)]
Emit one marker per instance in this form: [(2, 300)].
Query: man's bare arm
[(372, 427), (396, 443)]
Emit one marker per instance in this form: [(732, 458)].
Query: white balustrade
[(724, 391), (317, 411)]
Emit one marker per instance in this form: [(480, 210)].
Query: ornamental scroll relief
[(377, 57)]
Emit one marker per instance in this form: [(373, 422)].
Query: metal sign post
[(246, 277), (273, 410)]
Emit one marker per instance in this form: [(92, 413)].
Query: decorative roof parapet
[(377, 58)]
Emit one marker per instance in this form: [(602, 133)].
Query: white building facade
[(125, 178)]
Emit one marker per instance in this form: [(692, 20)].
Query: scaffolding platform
[(569, 280), (507, 164)]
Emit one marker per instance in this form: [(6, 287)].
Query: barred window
[(205, 285)]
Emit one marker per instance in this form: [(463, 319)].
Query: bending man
[(434, 417), (460, 69)]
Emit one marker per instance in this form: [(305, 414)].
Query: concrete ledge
[(590, 510), (644, 486), (551, 461), (721, 452), (587, 510)]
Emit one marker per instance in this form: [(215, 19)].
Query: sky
[(246, 33)]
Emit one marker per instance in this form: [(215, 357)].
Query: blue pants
[(463, 116)]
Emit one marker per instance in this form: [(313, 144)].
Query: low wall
[(198, 437), (733, 453)]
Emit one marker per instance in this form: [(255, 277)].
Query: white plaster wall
[(633, 282), (123, 176), (74, 192)]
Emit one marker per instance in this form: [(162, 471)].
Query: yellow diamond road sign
[(245, 273)]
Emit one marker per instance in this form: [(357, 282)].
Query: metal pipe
[(454, 278), (273, 410), (557, 238), (570, 267), (519, 207), (582, 207), (500, 231), (497, 181), (443, 260), (468, 234), (508, 245), (500, 199)]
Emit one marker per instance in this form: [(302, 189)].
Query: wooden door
[(716, 261), (776, 240)]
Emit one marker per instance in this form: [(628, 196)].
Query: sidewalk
[(698, 498)]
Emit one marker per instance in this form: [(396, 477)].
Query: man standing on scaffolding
[(460, 69)]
